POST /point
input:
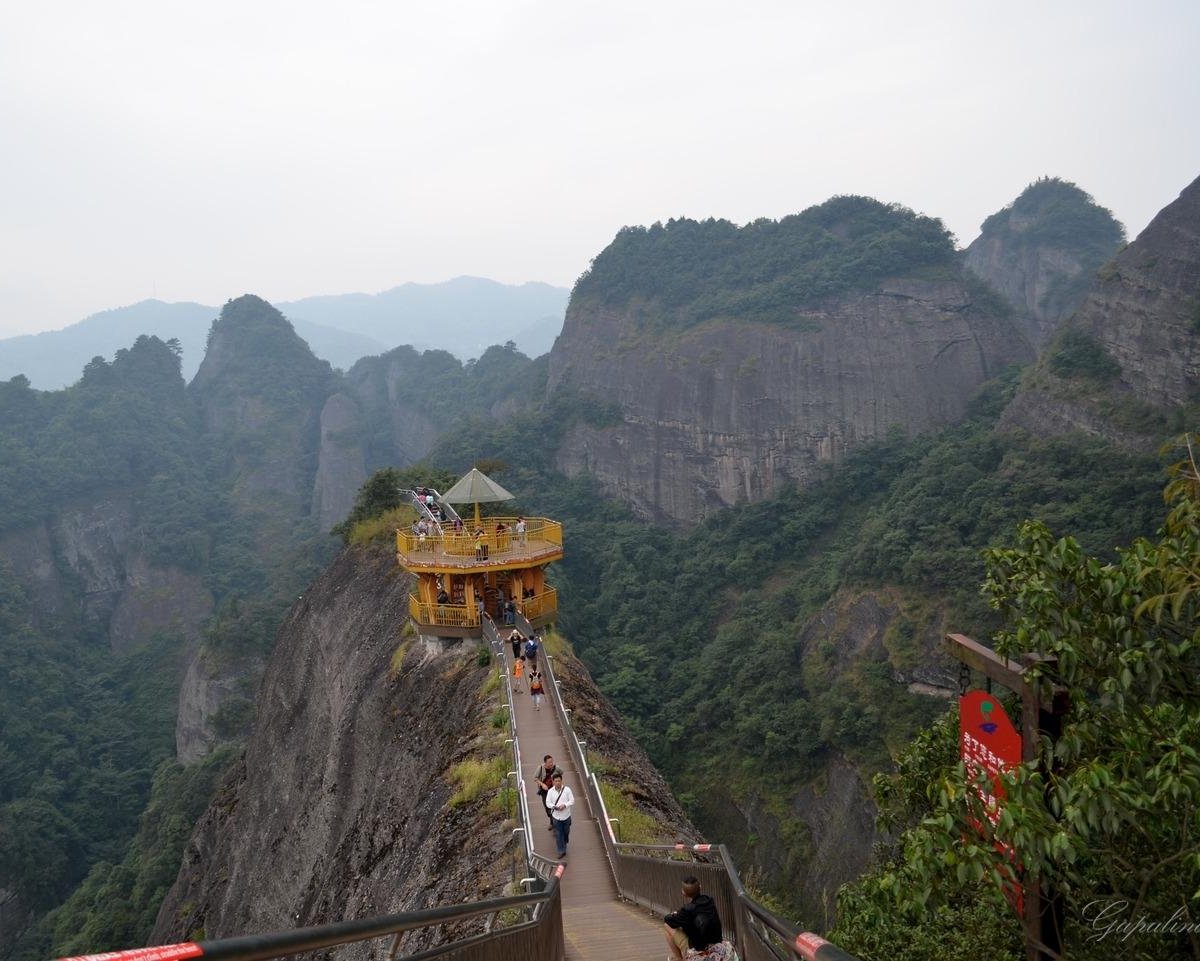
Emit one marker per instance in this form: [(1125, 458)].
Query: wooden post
[(1043, 919)]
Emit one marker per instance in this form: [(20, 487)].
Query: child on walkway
[(518, 672), (535, 687)]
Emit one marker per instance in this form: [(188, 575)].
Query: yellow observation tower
[(471, 568)]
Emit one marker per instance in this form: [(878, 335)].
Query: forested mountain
[(152, 536), (461, 316), (827, 412), (53, 359), (744, 359)]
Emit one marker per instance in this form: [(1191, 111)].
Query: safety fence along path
[(597, 926)]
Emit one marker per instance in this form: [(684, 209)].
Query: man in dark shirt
[(695, 925)]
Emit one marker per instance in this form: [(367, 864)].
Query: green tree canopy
[(1109, 817)]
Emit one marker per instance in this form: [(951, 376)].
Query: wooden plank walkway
[(598, 925)]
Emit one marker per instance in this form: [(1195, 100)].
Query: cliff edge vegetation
[(697, 270)]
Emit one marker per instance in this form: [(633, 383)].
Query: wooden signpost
[(988, 740)]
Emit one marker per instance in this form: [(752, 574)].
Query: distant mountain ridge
[(462, 316)]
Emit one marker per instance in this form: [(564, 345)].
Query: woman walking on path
[(560, 800), (536, 688)]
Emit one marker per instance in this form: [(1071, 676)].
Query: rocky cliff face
[(341, 460), (401, 430), (728, 412), (1041, 252), (1131, 354), (341, 806), (85, 572), (260, 387), (823, 836), (213, 685)]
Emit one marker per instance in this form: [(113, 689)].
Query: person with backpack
[(695, 927), (536, 687), (545, 781), (531, 651)]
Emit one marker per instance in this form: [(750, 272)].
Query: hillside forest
[(774, 650)]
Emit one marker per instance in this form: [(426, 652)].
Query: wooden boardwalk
[(597, 924)]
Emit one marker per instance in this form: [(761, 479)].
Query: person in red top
[(536, 687)]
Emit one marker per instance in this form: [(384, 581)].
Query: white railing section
[(522, 798)]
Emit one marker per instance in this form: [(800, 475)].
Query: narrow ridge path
[(597, 924)]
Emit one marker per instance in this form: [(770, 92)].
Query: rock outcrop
[(86, 574), (727, 412), (213, 686), (341, 806), (1041, 252), (402, 428), (261, 388), (341, 461), (1130, 356)]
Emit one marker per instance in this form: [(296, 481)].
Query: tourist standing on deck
[(560, 800)]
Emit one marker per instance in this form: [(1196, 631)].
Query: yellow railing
[(540, 533), (540, 604), (442, 615)]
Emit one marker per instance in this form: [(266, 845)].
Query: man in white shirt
[(560, 800)]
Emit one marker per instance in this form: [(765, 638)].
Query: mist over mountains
[(461, 316)]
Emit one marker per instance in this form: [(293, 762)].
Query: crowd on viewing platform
[(501, 539), (489, 567)]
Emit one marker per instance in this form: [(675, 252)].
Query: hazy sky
[(203, 150)]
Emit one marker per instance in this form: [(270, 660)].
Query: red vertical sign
[(987, 743)]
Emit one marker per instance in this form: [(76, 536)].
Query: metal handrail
[(260, 947), (802, 944), (492, 634)]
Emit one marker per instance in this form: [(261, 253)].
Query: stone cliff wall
[(85, 573), (728, 412), (1027, 278), (340, 807), (341, 461), (1143, 311), (401, 434)]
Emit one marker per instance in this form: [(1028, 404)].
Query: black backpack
[(707, 925)]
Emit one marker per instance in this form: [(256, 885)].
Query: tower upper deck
[(499, 546)]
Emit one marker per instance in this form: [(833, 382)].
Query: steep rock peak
[(1126, 365), (251, 341), (1042, 250)]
